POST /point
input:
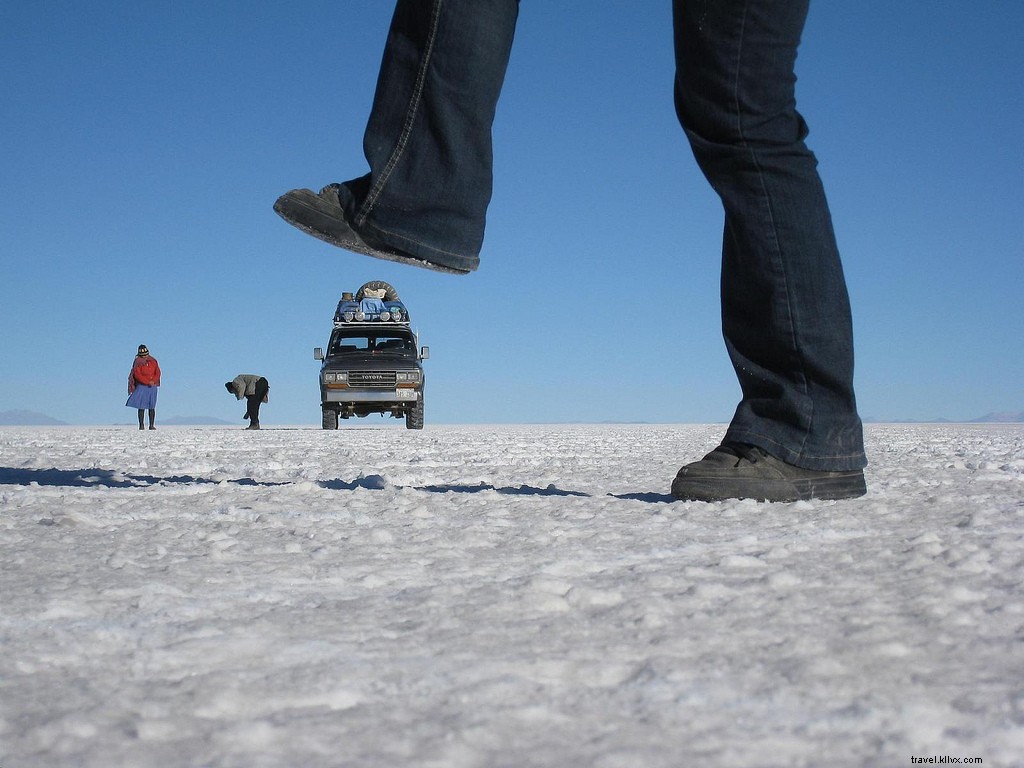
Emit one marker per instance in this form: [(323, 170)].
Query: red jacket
[(145, 370)]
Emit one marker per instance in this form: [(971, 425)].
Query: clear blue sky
[(142, 146)]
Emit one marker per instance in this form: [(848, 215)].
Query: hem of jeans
[(421, 250), (845, 462)]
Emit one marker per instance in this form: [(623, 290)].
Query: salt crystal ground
[(512, 596)]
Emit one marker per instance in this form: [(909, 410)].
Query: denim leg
[(428, 139), (260, 392), (785, 308)]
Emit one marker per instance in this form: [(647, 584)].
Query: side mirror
[(318, 353), (425, 353)]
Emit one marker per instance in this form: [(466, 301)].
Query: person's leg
[(261, 390), (251, 409), (255, 400), (142, 418), (427, 142), (152, 418), (785, 309)]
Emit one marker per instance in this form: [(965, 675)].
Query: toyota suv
[(373, 362)]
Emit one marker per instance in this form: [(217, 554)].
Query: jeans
[(253, 401), (428, 140), (785, 308)]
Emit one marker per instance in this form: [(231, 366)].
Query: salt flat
[(501, 596)]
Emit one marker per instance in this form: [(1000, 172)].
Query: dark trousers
[(253, 401), (785, 309)]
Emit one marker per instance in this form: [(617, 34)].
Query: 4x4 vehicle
[(373, 362)]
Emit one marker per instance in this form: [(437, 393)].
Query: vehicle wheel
[(330, 418), (414, 418), (390, 294)]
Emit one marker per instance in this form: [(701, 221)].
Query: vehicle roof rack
[(374, 302)]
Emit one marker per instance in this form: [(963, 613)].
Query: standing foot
[(742, 471)]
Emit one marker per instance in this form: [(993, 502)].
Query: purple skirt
[(143, 398)]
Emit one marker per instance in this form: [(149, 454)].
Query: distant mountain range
[(22, 418), (996, 417), (182, 421), (1011, 417), (27, 419)]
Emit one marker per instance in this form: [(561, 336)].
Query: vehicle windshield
[(364, 341)]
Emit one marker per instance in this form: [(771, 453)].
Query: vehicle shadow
[(376, 482), (107, 478), (522, 490), (650, 498)]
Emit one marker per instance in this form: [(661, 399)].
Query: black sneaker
[(741, 471), (322, 216)]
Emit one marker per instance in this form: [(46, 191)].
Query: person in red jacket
[(142, 384)]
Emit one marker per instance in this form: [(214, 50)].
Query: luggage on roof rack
[(374, 302)]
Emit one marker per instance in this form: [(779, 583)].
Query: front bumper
[(384, 396)]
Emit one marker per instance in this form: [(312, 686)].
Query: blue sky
[(142, 146)]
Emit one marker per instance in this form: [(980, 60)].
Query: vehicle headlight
[(348, 317), (407, 377), (385, 316), (360, 316)]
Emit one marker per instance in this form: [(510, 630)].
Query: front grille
[(372, 379)]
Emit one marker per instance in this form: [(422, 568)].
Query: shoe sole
[(304, 210), (832, 487)]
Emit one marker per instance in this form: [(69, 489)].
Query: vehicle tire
[(414, 417), (330, 418), (390, 294)]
